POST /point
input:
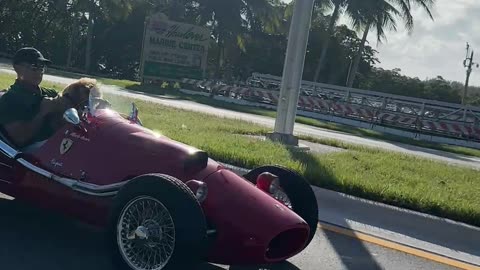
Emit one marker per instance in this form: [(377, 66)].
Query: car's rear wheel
[(156, 223), (293, 191)]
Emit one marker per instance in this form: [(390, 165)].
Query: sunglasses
[(36, 66)]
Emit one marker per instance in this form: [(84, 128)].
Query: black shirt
[(21, 103)]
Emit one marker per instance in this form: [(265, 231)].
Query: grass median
[(393, 178), (330, 125), (397, 179), (299, 119)]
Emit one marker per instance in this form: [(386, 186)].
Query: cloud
[(435, 47)]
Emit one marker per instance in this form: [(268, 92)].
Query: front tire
[(299, 192), (156, 223)]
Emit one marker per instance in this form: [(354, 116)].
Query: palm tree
[(338, 6), (230, 19), (381, 14), (110, 9)]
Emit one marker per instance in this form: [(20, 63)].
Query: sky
[(434, 47)]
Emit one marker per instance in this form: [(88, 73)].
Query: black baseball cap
[(29, 55)]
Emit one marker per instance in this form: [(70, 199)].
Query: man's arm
[(50, 92), (21, 131)]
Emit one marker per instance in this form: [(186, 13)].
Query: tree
[(393, 82), (230, 20), (338, 5), (381, 14), (246, 39), (96, 9), (343, 47), (35, 23)]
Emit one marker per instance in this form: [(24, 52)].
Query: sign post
[(172, 50)]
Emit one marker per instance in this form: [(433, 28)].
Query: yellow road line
[(398, 247)]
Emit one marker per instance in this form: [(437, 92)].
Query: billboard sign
[(173, 50)]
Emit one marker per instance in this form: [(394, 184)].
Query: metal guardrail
[(405, 113), (421, 115), (375, 99)]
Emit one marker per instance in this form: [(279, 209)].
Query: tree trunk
[(358, 57), (220, 55), (331, 26), (221, 46), (88, 50), (72, 40)]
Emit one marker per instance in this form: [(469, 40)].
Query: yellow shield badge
[(65, 145)]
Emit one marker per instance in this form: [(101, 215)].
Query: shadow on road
[(36, 239), (278, 266), (436, 152), (353, 254), (33, 238)]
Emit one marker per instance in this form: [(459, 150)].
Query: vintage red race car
[(161, 203)]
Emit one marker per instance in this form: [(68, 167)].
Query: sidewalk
[(308, 146)]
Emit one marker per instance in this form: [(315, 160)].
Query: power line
[(468, 63)]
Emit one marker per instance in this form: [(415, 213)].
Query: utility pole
[(468, 63), (292, 73)]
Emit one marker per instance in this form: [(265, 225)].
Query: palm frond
[(427, 5), (406, 13), (241, 42)]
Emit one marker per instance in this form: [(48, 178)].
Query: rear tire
[(299, 192), (156, 223)]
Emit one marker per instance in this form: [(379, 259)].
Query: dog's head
[(79, 92)]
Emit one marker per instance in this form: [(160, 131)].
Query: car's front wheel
[(157, 224)]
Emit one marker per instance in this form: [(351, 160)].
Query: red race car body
[(82, 168)]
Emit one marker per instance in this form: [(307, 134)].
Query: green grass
[(120, 83), (299, 119), (6, 80), (397, 179), (75, 75), (332, 126)]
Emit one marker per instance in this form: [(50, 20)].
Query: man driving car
[(25, 107)]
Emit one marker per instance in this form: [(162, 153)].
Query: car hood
[(114, 150)]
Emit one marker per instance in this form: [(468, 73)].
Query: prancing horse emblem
[(65, 145)]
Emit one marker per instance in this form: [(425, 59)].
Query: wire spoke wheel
[(146, 234)]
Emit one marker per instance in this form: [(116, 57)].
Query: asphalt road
[(450, 158), (35, 239)]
